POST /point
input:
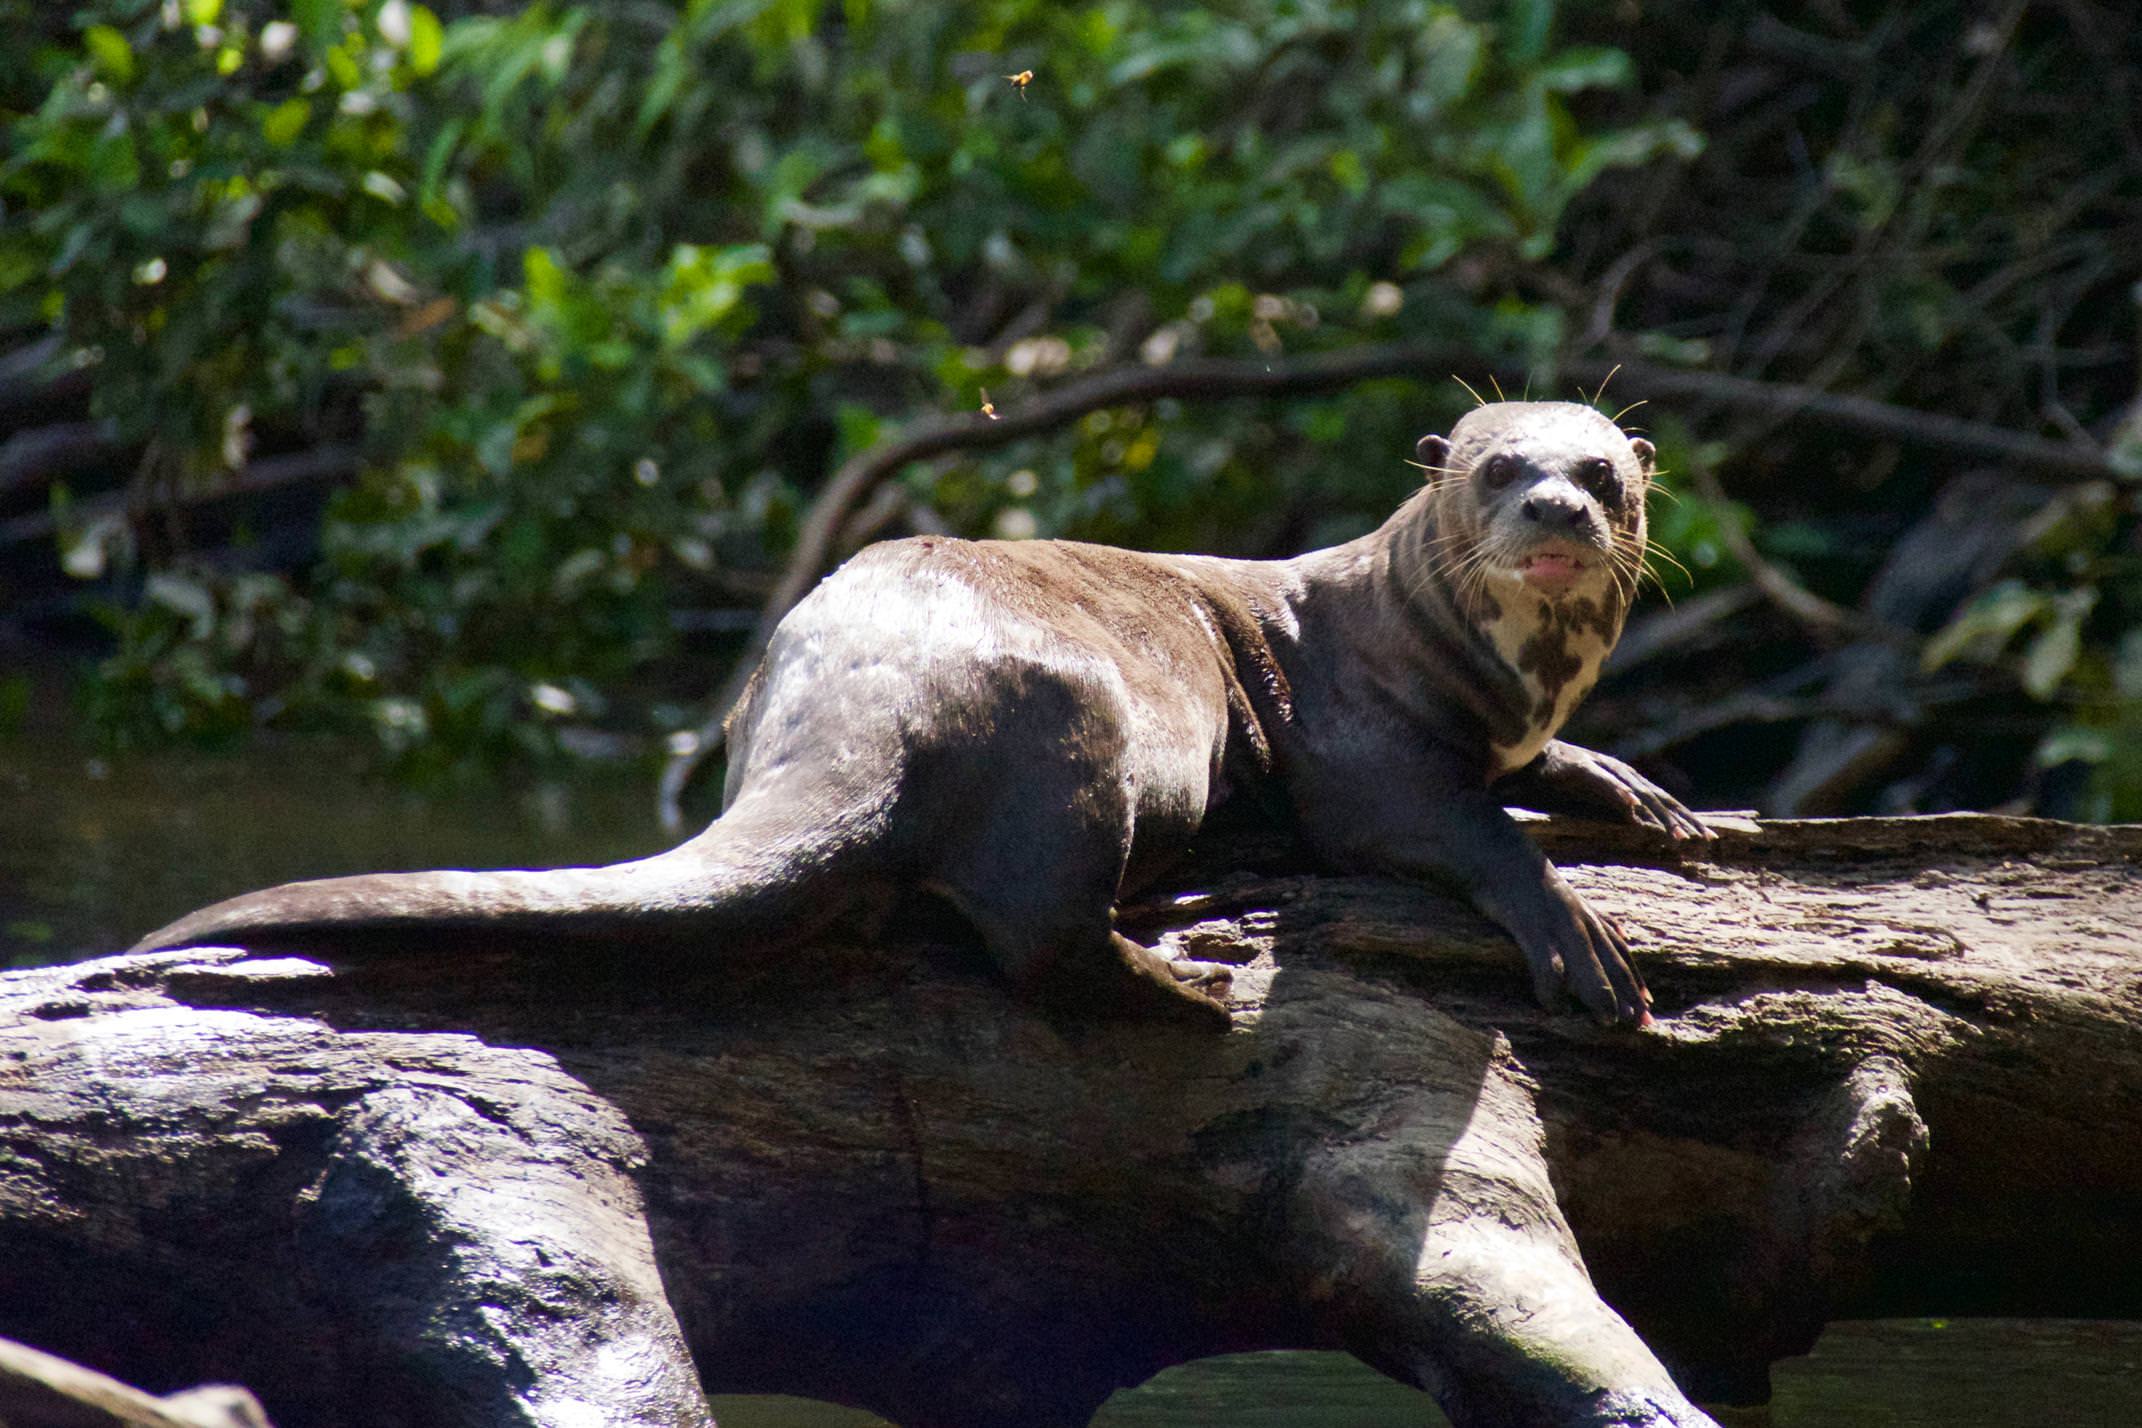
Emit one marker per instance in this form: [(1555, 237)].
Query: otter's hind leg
[(1028, 833), (1081, 965), (1038, 882)]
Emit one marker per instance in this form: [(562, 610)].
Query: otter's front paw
[(1574, 951), (1642, 801)]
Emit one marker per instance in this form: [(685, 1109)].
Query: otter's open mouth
[(1553, 570)]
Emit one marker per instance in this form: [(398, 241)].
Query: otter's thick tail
[(744, 876)]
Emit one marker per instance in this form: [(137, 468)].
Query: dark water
[(1888, 1373), (1297, 1390), (94, 853)]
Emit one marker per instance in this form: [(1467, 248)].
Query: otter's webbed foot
[(1191, 992), (1435, 820), (1139, 984), (1572, 951), (1575, 778), (1212, 979)]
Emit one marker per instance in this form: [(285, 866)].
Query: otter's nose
[(1558, 507)]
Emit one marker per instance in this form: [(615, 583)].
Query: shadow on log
[(1897, 1069)]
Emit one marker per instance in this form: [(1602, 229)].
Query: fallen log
[(38, 1390), (1896, 1069)]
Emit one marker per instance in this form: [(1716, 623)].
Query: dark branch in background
[(1215, 379), (1823, 619), (298, 468), (2033, 456), (31, 460), (31, 387)]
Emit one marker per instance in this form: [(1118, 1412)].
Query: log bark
[(1896, 1069)]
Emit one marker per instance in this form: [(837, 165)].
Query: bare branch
[(299, 468)]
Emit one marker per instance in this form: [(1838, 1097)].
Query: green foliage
[(613, 286), (1682, 523), (2070, 633)]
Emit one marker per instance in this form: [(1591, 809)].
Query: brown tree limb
[(1897, 1067), (32, 385), (2026, 455), (32, 459), (317, 464), (1824, 619)]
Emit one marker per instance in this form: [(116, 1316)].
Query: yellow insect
[(989, 408), (1021, 80)]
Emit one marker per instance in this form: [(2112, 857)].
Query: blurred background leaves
[(456, 376)]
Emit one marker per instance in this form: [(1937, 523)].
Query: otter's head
[(1546, 496)]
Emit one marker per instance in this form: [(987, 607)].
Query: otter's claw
[(1643, 802), (1574, 951)]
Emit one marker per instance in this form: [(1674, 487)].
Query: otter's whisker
[(1666, 555)]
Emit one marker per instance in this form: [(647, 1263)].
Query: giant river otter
[(1027, 727)]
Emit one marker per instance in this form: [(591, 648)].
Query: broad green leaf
[(2074, 743), (186, 597), (1676, 351), (111, 52), (427, 40), (2127, 666), (672, 68), (543, 278), (383, 187), (1451, 49), (2124, 452), (702, 286), (1350, 172), (1524, 157), (859, 427), (343, 67), (437, 156), (1986, 625), (1626, 148), (2051, 655), (282, 124), (115, 163), (1586, 67), (1200, 43)]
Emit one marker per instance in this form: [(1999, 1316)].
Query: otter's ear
[(1646, 454), (1433, 452)]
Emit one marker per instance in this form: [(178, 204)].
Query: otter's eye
[(1596, 475), (1499, 471)]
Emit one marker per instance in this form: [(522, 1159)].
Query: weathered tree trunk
[(1898, 1066)]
